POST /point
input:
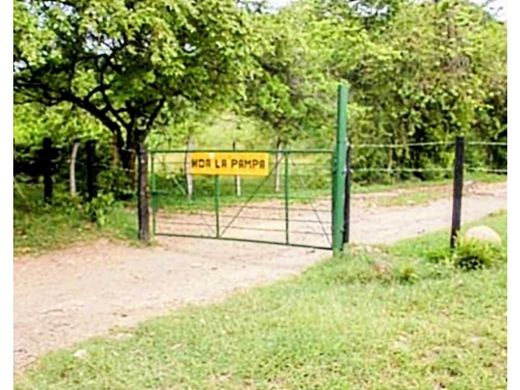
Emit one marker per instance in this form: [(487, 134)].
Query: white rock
[(483, 233), (81, 354)]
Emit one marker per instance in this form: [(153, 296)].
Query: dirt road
[(70, 295)]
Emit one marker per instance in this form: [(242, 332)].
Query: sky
[(497, 7)]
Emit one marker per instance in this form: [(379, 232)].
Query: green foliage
[(99, 208), (472, 254), (468, 254), (62, 123), (130, 64), (114, 181), (448, 67), (40, 227)]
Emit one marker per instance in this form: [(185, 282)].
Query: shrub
[(407, 274), (99, 208), (473, 254)]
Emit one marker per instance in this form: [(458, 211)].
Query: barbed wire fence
[(97, 170), (82, 168), (458, 165)]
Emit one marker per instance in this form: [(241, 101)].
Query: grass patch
[(434, 246), (409, 196), (413, 183), (39, 227), (378, 318)]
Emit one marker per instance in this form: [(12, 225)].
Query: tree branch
[(106, 100), (154, 113)]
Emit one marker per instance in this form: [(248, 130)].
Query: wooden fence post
[(72, 168), (458, 182), (47, 170), (143, 194), (92, 188)]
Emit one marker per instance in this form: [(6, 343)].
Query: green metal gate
[(298, 202)]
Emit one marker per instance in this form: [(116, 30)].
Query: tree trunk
[(279, 156), (128, 159), (72, 168), (115, 154), (189, 178)]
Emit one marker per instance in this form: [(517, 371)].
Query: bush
[(473, 254), (407, 274), (116, 181), (99, 208)]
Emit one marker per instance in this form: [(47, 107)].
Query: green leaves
[(417, 72), (118, 59), (131, 64)]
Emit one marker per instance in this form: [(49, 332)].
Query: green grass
[(39, 227), (410, 184), (433, 245), (347, 323), (410, 196)]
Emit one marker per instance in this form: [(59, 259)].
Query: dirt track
[(70, 295)]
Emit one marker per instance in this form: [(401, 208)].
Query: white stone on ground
[(484, 234)]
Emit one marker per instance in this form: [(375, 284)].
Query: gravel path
[(91, 289)]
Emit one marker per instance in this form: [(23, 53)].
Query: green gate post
[(217, 205), (338, 193), (286, 190)]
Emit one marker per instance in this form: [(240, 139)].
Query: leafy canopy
[(129, 63)]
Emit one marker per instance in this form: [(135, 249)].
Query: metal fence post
[(47, 170), (238, 187), (458, 182), (338, 195), (217, 205), (286, 191), (348, 183)]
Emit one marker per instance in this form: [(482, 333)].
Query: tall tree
[(129, 63)]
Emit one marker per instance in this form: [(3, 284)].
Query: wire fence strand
[(390, 170), (399, 146), (485, 170), (484, 143)]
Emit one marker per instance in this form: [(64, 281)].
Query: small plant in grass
[(65, 203), (472, 254), (100, 207), (407, 274), (438, 254)]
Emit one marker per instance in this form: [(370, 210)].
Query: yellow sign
[(230, 163)]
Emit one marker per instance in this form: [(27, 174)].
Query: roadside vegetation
[(405, 316), (130, 75), (40, 227)]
